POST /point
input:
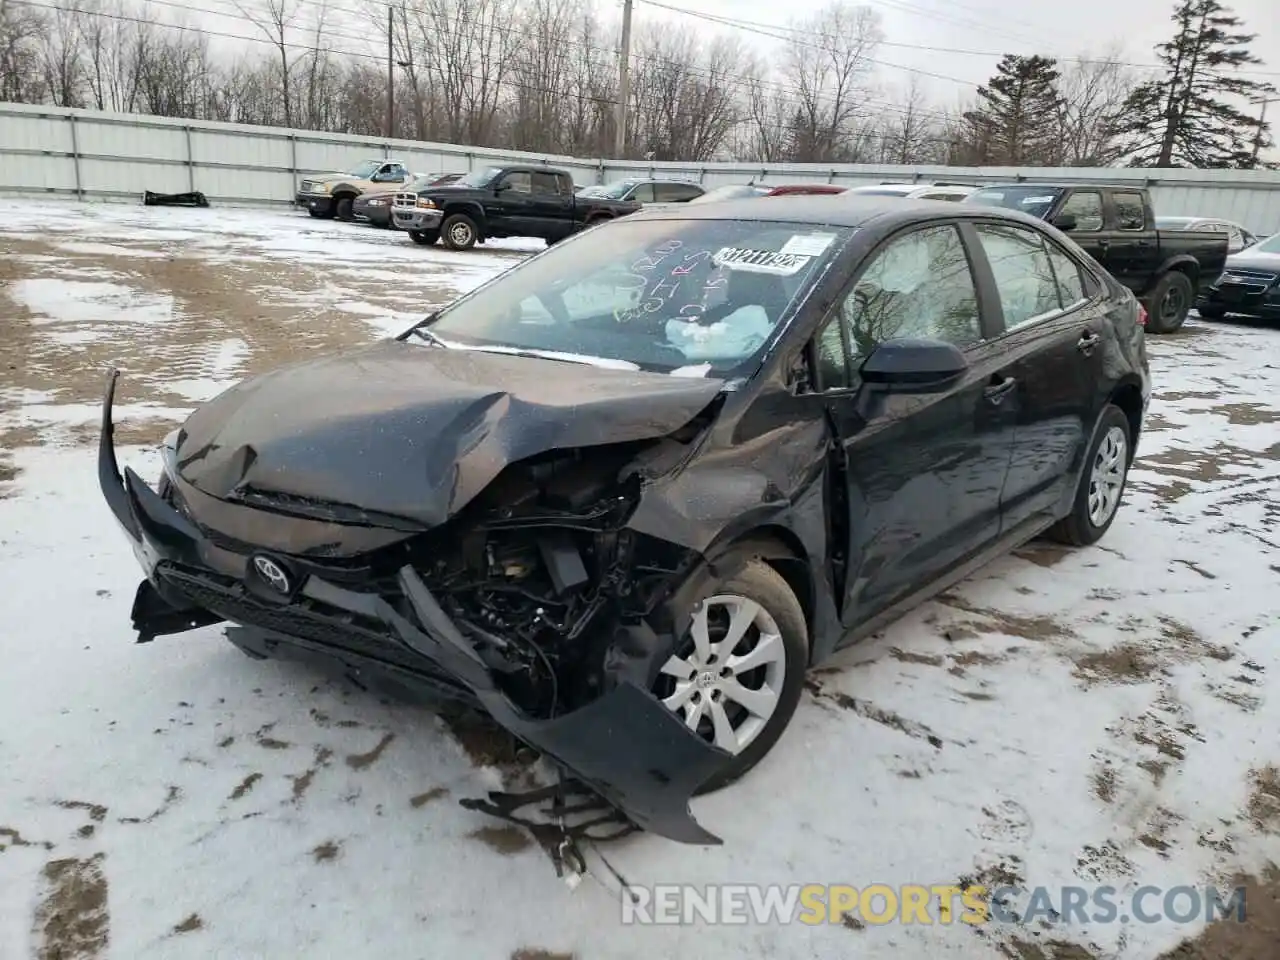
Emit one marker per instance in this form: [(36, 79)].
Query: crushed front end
[(535, 602)]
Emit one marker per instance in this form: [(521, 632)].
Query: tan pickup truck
[(332, 194)]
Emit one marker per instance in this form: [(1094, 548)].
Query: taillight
[(1142, 315)]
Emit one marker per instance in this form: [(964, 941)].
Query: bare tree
[(829, 61), (275, 19), (910, 132), (1093, 92)]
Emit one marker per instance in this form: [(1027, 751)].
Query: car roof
[(852, 211)]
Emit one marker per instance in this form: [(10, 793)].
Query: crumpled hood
[(416, 431)]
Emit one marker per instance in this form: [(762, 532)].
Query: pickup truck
[(512, 201), (1115, 225)]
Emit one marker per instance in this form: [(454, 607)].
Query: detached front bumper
[(317, 202), (416, 218), (625, 745)]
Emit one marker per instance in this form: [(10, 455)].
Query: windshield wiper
[(420, 331)]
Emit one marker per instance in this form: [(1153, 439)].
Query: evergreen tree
[(1015, 121), (1181, 119)]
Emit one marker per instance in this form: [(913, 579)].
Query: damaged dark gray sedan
[(624, 495)]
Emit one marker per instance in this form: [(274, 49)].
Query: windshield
[(735, 191), (365, 170), (690, 297), (478, 178), (1033, 200)]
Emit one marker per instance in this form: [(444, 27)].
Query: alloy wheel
[(1106, 477), (726, 677), (460, 234)]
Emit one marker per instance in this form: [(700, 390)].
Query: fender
[(1180, 262), (471, 208)]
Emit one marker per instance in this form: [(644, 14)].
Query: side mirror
[(1065, 221), (500, 187), (913, 366)]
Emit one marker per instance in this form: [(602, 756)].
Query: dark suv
[(624, 495)]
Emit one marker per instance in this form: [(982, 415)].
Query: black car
[(513, 201), (1249, 286), (625, 494), (1116, 225)]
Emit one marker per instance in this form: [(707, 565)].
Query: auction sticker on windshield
[(809, 244), (760, 261)]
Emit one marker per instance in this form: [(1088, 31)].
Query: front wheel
[(737, 672), (1101, 483), (1170, 302), (459, 232), (426, 238), (342, 208)]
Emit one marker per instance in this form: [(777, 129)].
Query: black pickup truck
[(512, 201), (1116, 226)]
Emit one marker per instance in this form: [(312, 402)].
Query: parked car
[(1237, 236), (512, 201), (374, 206), (625, 494), (913, 191), (1115, 225), (732, 191), (334, 194), (1249, 286), (805, 190), (645, 191)]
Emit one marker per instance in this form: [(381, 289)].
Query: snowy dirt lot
[(1101, 716)]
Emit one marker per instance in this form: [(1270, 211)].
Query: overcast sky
[(1063, 29), (953, 44)]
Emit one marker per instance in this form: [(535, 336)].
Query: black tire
[(426, 238), (1078, 528), (1211, 312), (1170, 302), (752, 579), (342, 208), (459, 232)]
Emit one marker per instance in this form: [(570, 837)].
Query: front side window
[(1131, 214), (919, 286), (643, 192), (1023, 274), (701, 297), (519, 181), (1086, 207), (546, 183)]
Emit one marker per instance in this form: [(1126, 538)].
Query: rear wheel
[(736, 674), (1102, 483), (342, 208), (425, 237), (1170, 302), (459, 232)]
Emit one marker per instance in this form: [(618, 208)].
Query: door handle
[(997, 390), (1087, 342)]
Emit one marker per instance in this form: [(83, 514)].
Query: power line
[(756, 26)]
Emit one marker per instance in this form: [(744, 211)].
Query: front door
[(1052, 352), (924, 472), (511, 209)]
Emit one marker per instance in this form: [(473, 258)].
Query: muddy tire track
[(72, 921)]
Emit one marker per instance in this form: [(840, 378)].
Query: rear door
[(1132, 252), (923, 472), (1053, 322), (551, 203)]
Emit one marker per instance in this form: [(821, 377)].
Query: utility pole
[(391, 73), (624, 82), (1262, 126)]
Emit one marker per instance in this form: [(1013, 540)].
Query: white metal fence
[(87, 154)]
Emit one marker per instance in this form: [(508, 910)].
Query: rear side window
[(1071, 284), (1024, 276), (675, 192), (1130, 213), (1086, 207)]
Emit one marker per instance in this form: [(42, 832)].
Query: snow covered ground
[(1102, 716)]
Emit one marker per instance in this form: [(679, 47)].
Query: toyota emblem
[(271, 572)]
